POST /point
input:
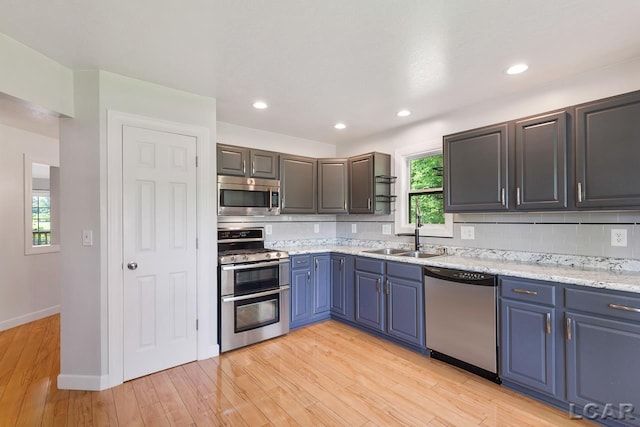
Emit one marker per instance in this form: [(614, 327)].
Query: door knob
[(132, 265)]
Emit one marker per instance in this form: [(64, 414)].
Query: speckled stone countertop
[(556, 268)]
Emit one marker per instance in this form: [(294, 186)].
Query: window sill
[(44, 249)]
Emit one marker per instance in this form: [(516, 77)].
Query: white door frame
[(113, 246)]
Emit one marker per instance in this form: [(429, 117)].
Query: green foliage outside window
[(41, 220), (426, 173)]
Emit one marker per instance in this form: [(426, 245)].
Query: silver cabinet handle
[(132, 265), (548, 323), (259, 294), (568, 328), (518, 196), (269, 190), (341, 263), (502, 197), (387, 286), (345, 204), (624, 308), (524, 291), (369, 203), (378, 285), (253, 167), (316, 263), (244, 167), (579, 192), (308, 276)]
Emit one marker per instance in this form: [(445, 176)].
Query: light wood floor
[(325, 374)]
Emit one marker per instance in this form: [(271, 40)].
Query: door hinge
[(196, 324), (196, 161)]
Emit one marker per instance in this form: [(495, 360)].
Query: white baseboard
[(210, 351), (83, 382), (29, 317)]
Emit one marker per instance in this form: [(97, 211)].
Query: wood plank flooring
[(324, 374)]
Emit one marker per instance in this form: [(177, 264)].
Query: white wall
[(29, 284), (31, 76), (83, 144), (231, 134)]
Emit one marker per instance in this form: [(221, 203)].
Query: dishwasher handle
[(461, 276)]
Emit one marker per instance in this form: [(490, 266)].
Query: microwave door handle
[(270, 199)]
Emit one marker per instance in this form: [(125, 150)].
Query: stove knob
[(244, 258), (268, 255), (233, 259), (278, 255)]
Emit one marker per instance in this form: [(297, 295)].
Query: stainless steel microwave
[(240, 196)]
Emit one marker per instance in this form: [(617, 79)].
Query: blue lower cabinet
[(310, 291), (390, 299), (603, 368), (342, 287)]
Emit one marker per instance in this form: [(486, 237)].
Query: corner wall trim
[(83, 382), (29, 317)]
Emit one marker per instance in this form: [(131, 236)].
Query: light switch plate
[(386, 228), (316, 228), (87, 237), (354, 228), (268, 229), (467, 232)]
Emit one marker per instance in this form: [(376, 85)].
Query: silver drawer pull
[(524, 291), (548, 324), (624, 308), (568, 328)]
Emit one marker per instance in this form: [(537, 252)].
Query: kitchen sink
[(417, 254), (386, 251)]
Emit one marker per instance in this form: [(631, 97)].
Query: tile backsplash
[(573, 233)]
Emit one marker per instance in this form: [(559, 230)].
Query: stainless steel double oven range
[(254, 288)]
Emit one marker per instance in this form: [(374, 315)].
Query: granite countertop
[(577, 275)]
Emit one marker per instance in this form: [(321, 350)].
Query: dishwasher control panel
[(461, 276)]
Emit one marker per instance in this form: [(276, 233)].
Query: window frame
[(403, 172), (29, 248)]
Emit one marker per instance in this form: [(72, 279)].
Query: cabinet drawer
[(528, 290), (605, 303), (369, 264), (405, 271), (300, 261)]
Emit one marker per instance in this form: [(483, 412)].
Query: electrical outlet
[(316, 228), (467, 232), (354, 228), (268, 229), (386, 228), (618, 237)]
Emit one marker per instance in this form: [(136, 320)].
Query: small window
[(41, 189), (41, 217), (425, 190)]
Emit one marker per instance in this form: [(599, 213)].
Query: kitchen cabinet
[(389, 298), (298, 184), (541, 152), (531, 334), (476, 170), (603, 342), (342, 287), (368, 195), (250, 163), (310, 291), (333, 178), (607, 150)]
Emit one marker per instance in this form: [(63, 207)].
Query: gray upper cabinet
[(366, 193), (332, 185), (476, 170), (541, 162), (240, 161), (607, 152), (298, 184)]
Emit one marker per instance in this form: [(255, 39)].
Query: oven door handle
[(257, 295), (256, 265)]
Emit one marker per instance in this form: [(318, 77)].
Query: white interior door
[(159, 249)]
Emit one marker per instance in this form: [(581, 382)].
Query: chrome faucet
[(417, 230)]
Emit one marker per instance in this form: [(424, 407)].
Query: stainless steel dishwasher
[(461, 324)]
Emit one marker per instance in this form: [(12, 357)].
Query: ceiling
[(319, 62)]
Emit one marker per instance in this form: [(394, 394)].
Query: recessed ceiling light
[(517, 69), (340, 126), (403, 113), (260, 105)]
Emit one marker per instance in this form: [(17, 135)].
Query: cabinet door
[(300, 295), (342, 288), (231, 160), (541, 162), (298, 182), (361, 184), (321, 288), (602, 363), (265, 164), (332, 185), (528, 346), (369, 300), (405, 305), (607, 152), (476, 170)]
